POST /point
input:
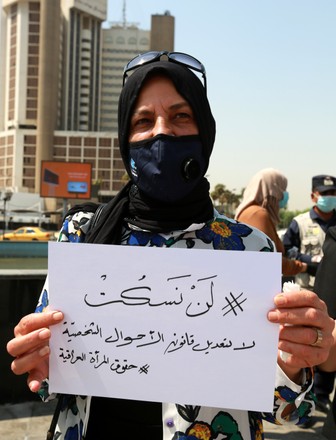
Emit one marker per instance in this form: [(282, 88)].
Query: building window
[(32, 82), (29, 172), (31, 114), (60, 140), (116, 153), (29, 183), (59, 152), (28, 139), (104, 164), (33, 61), (29, 151), (34, 28), (75, 152), (105, 142), (33, 39), (31, 103), (34, 6), (33, 17), (89, 152), (118, 163), (76, 141), (104, 152), (90, 142), (29, 161), (32, 93)]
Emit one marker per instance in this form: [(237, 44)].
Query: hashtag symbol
[(233, 304), (144, 369)]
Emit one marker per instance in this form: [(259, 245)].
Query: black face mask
[(167, 168)]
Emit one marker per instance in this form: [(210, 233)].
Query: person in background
[(325, 283), (263, 197), (305, 235), (166, 137), (304, 240), (329, 425)]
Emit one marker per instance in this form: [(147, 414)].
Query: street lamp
[(6, 196)]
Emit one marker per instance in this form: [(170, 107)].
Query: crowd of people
[(303, 247), (166, 135)]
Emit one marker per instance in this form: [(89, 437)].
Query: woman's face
[(160, 109)]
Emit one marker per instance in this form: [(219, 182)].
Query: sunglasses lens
[(142, 59), (186, 59)]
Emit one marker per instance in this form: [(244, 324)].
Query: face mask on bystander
[(283, 202), (326, 203)]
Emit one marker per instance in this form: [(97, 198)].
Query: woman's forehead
[(159, 89), (157, 80)]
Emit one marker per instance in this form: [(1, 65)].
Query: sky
[(271, 73)]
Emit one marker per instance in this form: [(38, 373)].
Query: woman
[(164, 114), (263, 197)]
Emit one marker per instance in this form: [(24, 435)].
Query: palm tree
[(225, 201)]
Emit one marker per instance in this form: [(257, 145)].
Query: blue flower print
[(139, 238), (43, 302), (224, 234)]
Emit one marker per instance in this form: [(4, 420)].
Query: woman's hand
[(30, 346), (305, 330), (330, 363)]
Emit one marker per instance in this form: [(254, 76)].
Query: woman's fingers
[(303, 308), (31, 360), (31, 331), (30, 346), (35, 377), (304, 335), (306, 328), (36, 321), (21, 345), (302, 352)]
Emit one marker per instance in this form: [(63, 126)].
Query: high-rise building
[(50, 90), (121, 42), (162, 32), (55, 88)]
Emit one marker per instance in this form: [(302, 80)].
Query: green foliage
[(225, 201), (287, 216)]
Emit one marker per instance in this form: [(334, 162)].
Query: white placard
[(167, 325)]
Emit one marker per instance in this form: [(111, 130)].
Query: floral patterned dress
[(191, 422)]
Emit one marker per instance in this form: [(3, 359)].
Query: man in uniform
[(303, 241)]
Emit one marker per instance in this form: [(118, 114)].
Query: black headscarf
[(188, 86), (136, 208)]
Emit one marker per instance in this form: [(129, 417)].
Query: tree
[(225, 201), (287, 216)]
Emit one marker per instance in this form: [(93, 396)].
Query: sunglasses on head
[(175, 57)]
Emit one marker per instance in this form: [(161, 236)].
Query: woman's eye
[(182, 116), (140, 122)]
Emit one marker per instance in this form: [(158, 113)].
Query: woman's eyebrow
[(142, 111), (179, 105)]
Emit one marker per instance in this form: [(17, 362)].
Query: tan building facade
[(162, 32), (60, 79), (51, 83), (122, 42)]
